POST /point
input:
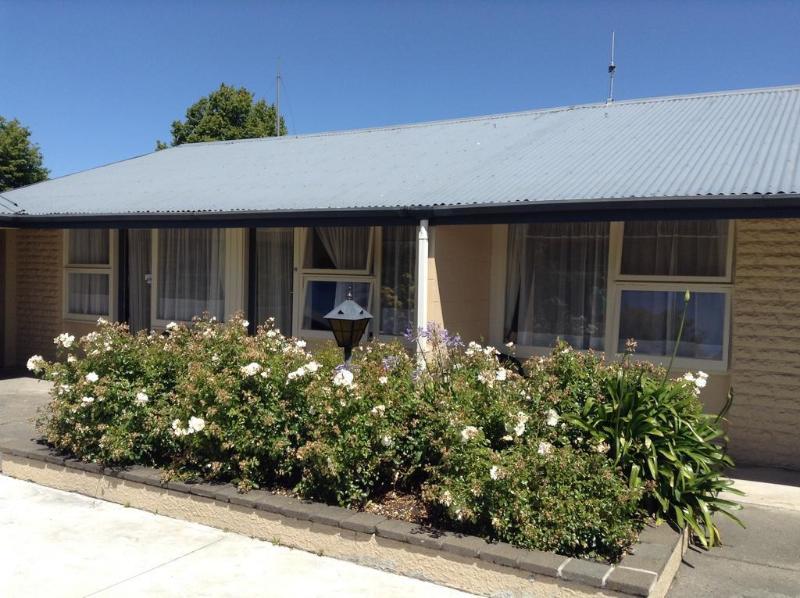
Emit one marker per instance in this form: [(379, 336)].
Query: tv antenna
[(278, 99), (612, 69)]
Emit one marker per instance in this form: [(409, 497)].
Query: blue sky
[(101, 81)]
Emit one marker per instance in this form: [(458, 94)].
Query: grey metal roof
[(730, 143)]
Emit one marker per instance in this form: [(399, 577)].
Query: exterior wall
[(38, 280), (459, 279), (765, 418)]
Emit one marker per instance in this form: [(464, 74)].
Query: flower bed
[(571, 458)]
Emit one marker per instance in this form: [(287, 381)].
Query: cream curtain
[(398, 270), (89, 246), (191, 273), (675, 248), (556, 285), (139, 278), (275, 272), (88, 293), (346, 246)]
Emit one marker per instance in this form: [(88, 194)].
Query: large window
[(88, 268), (556, 284), (190, 273), (376, 264), (275, 276), (576, 281)]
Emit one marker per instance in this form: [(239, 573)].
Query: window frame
[(615, 284), (109, 269), (374, 238)]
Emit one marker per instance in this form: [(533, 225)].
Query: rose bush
[(524, 459)]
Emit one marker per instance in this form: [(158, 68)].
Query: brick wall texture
[(765, 418), (39, 282)]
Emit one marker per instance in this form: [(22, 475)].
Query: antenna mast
[(278, 99), (612, 69)]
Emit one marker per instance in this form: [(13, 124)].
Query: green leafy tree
[(20, 159), (226, 113)]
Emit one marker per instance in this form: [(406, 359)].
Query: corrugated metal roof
[(731, 143)]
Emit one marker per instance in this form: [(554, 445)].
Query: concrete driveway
[(55, 543)]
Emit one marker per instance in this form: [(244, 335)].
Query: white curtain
[(556, 285), (89, 246), (398, 270), (88, 293), (675, 248), (191, 273), (346, 246), (139, 278), (274, 270)]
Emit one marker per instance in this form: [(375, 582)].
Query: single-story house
[(586, 223)]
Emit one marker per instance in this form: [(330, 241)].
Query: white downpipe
[(422, 276)]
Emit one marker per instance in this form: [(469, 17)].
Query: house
[(586, 223)]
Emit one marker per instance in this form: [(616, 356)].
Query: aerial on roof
[(739, 143)]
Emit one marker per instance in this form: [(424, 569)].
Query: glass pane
[(139, 278), (323, 295), (191, 273), (89, 246), (337, 247), (398, 269), (87, 293), (675, 248), (275, 273), (652, 318), (557, 284)]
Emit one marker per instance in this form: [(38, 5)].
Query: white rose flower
[(92, 377), (383, 380), (35, 363), (495, 473), (141, 398), (251, 369), (545, 448), (301, 344), (387, 441), (602, 447), (378, 410), (298, 373), (102, 321), (501, 374), (552, 417), (65, 340), (689, 377), (343, 378), (172, 326), (72, 359), (87, 400), (446, 498), (312, 366), (468, 433), (245, 323), (271, 334), (700, 382), (510, 344), (196, 424)]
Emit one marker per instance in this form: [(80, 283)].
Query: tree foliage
[(20, 159), (225, 113)]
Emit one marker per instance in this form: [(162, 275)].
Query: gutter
[(673, 208)]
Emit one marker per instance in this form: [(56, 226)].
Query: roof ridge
[(502, 115)]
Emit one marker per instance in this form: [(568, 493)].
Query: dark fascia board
[(674, 208)]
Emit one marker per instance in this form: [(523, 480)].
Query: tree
[(20, 159), (226, 113)]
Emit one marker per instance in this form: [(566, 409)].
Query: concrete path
[(55, 543)]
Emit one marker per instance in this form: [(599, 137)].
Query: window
[(575, 281), (190, 273), (658, 262), (275, 276), (377, 264), (556, 284), (88, 273)]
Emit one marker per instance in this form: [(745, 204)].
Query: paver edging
[(472, 564)]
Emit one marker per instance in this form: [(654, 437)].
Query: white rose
[(495, 472), (552, 417), (92, 377), (378, 410), (87, 400), (387, 441), (301, 344), (545, 448), (35, 363), (172, 326), (312, 366), (468, 433), (501, 374), (343, 378), (196, 424), (245, 323), (141, 398), (251, 369), (383, 380)]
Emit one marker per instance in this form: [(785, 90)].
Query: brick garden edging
[(463, 562)]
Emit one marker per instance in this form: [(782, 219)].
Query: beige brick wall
[(39, 281), (765, 368)]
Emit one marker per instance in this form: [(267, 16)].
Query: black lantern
[(348, 321)]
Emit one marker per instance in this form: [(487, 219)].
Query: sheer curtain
[(346, 246), (89, 246), (557, 284), (88, 293), (275, 271), (675, 248), (191, 273), (139, 278), (398, 269)]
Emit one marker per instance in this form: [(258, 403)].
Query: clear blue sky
[(101, 81)]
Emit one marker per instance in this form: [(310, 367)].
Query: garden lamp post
[(348, 321)]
